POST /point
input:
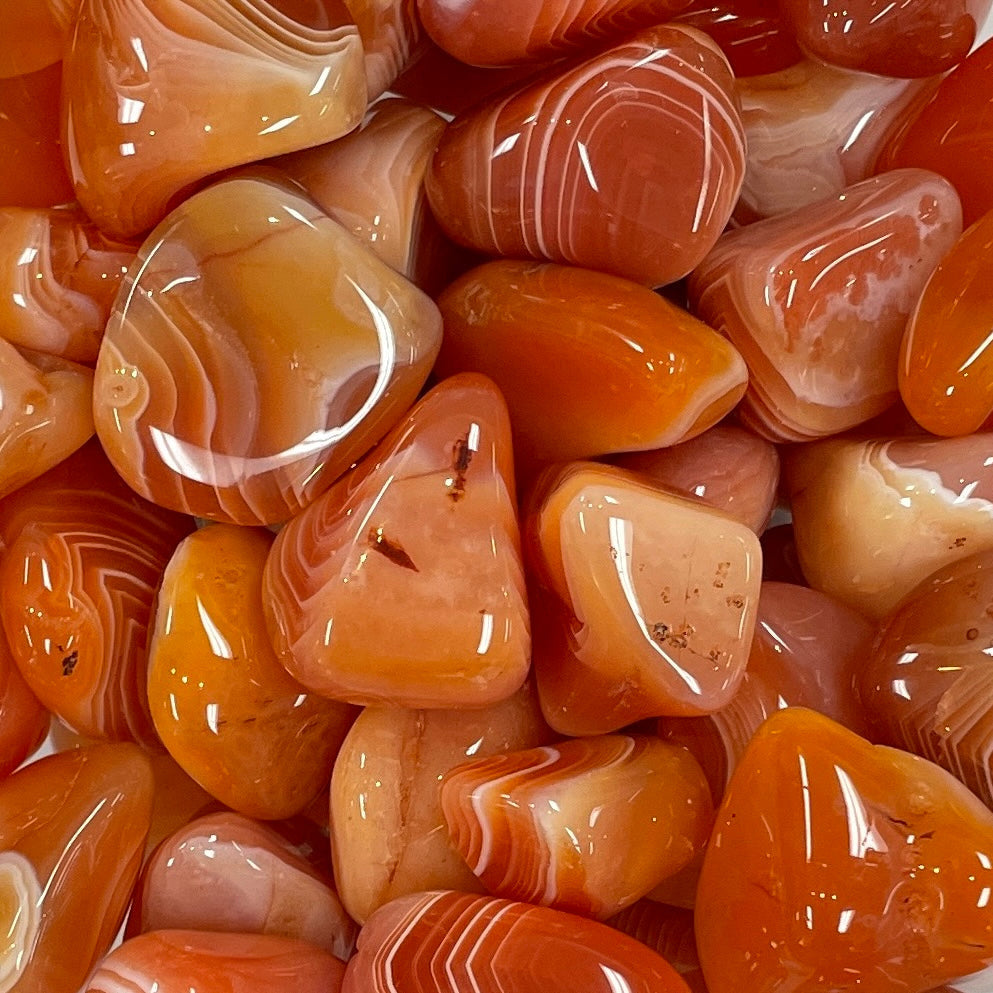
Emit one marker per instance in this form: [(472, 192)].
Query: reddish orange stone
[(669, 931), (23, 720), (629, 162), (391, 38), (35, 34)]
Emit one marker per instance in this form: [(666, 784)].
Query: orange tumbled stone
[(256, 350), (222, 704), (840, 865), (391, 38), (589, 363), (645, 604), (23, 720), (370, 603), (35, 34), (72, 834)]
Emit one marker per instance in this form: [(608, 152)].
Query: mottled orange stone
[(817, 300), (555, 825), (589, 363), (447, 942), (35, 34), (391, 38), (370, 603), (222, 704), (840, 865), (72, 834), (907, 38), (148, 110), (669, 930), (629, 162), (178, 961), (646, 603), (256, 350), (58, 279), (946, 360), (23, 720), (81, 558)]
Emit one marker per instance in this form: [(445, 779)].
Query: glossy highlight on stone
[(255, 352), (646, 603), (23, 720), (629, 162), (840, 865), (448, 942), (817, 300), (554, 825), (391, 35), (445, 584), (222, 704), (147, 105), (548, 335)]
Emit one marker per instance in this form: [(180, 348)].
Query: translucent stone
[(546, 333), (255, 352), (817, 300), (23, 720), (554, 825), (391, 35), (669, 931), (628, 162), (148, 112), (20, 916), (646, 604), (35, 34), (358, 563), (874, 518), (222, 704), (840, 865)]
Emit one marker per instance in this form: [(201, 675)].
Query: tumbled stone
[(23, 720)]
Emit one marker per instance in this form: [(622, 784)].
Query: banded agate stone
[(946, 366), (221, 703), (874, 518), (565, 344), (645, 603), (256, 350), (72, 834), (555, 825), (629, 162), (391, 34), (837, 864), (449, 942), (369, 603), (147, 106), (908, 39), (928, 684), (35, 34), (58, 279), (817, 300), (178, 961), (23, 720), (246, 880), (388, 833), (495, 33), (666, 929), (81, 559)]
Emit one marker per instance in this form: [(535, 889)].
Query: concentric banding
[(20, 916)]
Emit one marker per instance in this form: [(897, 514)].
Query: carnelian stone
[(391, 35), (946, 362), (180, 961), (918, 38), (646, 604), (817, 300), (255, 351), (629, 162), (147, 102), (388, 834), (222, 704), (953, 134), (58, 279), (72, 834), (81, 559), (554, 825), (35, 33), (23, 720), (928, 684), (369, 603), (840, 865), (447, 942), (565, 344), (667, 929)]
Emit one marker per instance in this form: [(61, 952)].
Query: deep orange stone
[(35, 34), (23, 720)]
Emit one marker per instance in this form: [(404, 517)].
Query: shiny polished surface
[(817, 300), (36, 33), (629, 162), (554, 825), (222, 704), (23, 720), (359, 563), (147, 105), (392, 37), (839, 865), (646, 604), (548, 334), (256, 350), (447, 942)]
